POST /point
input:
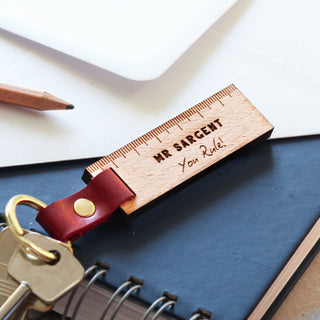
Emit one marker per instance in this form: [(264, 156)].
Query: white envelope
[(270, 52), (137, 39)]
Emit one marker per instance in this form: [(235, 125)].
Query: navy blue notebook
[(216, 243)]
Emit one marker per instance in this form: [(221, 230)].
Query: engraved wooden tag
[(179, 149)]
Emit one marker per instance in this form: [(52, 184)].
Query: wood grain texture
[(185, 145)]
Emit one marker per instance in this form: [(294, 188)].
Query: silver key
[(8, 286), (8, 245), (47, 281)]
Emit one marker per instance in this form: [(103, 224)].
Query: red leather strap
[(106, 192)]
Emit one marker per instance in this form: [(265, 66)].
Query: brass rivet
[(84, 207)]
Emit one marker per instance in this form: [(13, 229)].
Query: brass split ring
[(28, 246)]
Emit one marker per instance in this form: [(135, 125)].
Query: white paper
[(269, 52), (138, 39)]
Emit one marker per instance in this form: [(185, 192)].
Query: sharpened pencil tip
[(70, 106)]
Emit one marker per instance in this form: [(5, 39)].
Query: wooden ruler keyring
[(156, 163), (182, 147)]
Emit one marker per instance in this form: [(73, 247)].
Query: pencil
[(31, 98)]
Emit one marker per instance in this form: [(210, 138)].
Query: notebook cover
[(217, 242)]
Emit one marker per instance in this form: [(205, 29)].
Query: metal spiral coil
[(162, 307)]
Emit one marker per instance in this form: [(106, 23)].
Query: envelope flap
[(138, 39)]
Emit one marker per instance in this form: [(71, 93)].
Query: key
[(48, 282), (7, 287), (8, 245)]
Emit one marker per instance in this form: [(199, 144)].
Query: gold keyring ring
[(18, 232)]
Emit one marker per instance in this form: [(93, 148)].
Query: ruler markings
[(110, 160), (118, 153), (189, 113), (186, 117), (104, 161), (201, 106), (178, 125), (145, 141), (209, 103), (140, 141), (171, 124), (216, 100), (148, 136), (122, 153), (135, 144), (166, 129), (114, 164), (229, 91), (199, 114), (112, 156), (158, 139), (162, 128), (94, 166), (180, 118), (156, 134), (175, 122), (136, 151), (205, 104), (127, 148)]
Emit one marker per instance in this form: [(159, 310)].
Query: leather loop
[(104, 193)]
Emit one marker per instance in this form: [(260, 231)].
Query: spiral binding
[(130, 288), (163, 305)]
